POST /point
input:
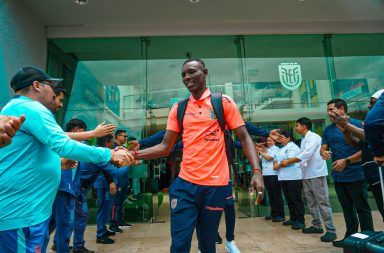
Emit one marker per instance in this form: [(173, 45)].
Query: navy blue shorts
[(195, 206)]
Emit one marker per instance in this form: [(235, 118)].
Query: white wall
[(22, 42)]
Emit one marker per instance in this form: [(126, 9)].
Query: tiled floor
[(252, 235)]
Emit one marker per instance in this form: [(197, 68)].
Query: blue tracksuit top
[(87, 174), (30, 165), (374, 127)]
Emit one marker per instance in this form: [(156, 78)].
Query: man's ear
[(37, 86)]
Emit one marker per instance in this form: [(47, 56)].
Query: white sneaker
[(231, 247)]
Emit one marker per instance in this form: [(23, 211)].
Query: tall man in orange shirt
[(197, 196)]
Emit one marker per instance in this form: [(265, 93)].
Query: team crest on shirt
[(212, 114), (37, 249), (173, 203)]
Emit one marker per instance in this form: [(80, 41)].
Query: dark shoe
[(338, 244), (288, 222), (110, 233), (269, 217), (328, 237), (278, 219), (312, 230), (104, 240), (82, 250), (218, 239), (115, 228), (123, 224), (297, 226)]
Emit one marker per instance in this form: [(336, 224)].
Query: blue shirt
[(374, 127), (30, 165), (334, 138)]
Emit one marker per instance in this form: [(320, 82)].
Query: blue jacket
[(87, 173), (66, 182), (374, 127)]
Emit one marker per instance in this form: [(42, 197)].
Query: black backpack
[(217, 104)]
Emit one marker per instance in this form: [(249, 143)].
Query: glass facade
[(274, 79)]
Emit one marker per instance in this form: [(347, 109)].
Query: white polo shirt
[(268, 165), (292, 171)]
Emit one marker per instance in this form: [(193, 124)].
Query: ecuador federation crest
[(290, 75), (173, 203)]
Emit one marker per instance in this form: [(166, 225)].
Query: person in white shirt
[(290, 179), (271, 182), (314, 181)]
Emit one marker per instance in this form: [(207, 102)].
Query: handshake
[(122, 157)]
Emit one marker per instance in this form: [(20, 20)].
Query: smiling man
[(347, 173), (33, 161), (198, 195)]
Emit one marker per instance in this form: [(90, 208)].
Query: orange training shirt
[(204, 158)]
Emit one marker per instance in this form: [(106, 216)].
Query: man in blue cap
[(33, 161)]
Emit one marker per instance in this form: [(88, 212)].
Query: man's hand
[(112, 188), (339, 165), (326, 155), (276, 166), (275, 135), (8, 127), (284, 163), (260, 147), (67, 164), (340, 120), (258, 183), (135, 145), (102, 130), (121, 157)]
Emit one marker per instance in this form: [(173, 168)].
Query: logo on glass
[(290, 75)]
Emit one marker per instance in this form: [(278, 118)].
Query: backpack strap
[(182, 106), (217, 104)]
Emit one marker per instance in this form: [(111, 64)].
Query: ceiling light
[(81, 2), (194, 1)]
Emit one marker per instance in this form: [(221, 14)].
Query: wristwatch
[(347, 161)]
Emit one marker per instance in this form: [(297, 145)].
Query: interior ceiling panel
[(178, 17)]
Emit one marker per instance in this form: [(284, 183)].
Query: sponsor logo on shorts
[(173, 203), (214, 208)]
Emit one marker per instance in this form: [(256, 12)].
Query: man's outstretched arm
[(160, 150)]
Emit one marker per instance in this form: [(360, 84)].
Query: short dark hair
[(339, 103), (58, 89), (102, 140), (131, 138), (119, 132), (306, 122), (288, 134), (75, 123), (195, 59)]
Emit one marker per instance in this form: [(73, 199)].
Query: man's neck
[(305, 132), (199, 93)]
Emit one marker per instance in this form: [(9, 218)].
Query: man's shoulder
[(356, 122)]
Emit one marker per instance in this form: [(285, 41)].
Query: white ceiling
[(110, 18)]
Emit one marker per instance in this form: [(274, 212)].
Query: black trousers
[(292, 190), (353, 199), (378, 195), (275, 196)]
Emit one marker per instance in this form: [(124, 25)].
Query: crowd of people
[(54, 170)]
